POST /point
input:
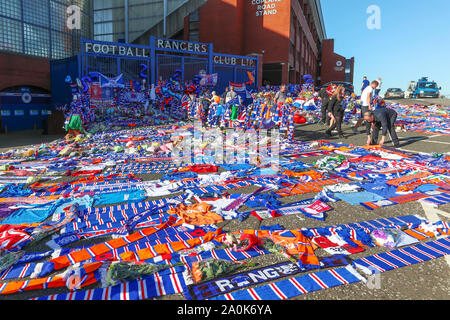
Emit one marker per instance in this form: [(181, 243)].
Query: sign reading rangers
[(224, 285)]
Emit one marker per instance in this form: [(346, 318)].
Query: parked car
[(349, 89), (394, 93), (426, 89)]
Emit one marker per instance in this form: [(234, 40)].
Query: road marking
[(422, 139), (432, 215), (438, 142), (413, 151)]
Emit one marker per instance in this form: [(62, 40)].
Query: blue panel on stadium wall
[(17, 115), (59, 70)]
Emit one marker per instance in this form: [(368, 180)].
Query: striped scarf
[(289, 288)]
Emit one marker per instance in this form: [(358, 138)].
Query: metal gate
[(167, 64), (162, 58), (113, 66)]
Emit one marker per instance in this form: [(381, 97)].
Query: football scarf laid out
[(378, 204), (289, 288), (94, 252), (87, 275), (309, 187), (308, 154), (219, 188), (310, 208), (209, 289), (165, 282), (438, 200)]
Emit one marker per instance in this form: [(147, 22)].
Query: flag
[(116, 82), (95, 92), (107, 93), (209, 79), (241, 90), (251, 77)]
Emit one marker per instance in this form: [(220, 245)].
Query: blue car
[(426, 89)]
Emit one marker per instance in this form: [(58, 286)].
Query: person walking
[(325, 99), (336, 110), (382, 119), (378, 88), (366, 105), (365, 84)]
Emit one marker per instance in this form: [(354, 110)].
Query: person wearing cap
[(381, 119)]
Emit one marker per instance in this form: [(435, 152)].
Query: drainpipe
[(126, 20), (165, 18)]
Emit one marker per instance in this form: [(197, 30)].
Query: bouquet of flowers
[(127, 271), (210, 269)]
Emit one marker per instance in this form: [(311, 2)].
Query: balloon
[(143, 71), (197, 79), (176, 76), (299, 119), (307, 78), (68, 79), (169, 92), (85, 81), (93, 75), (268, 124)]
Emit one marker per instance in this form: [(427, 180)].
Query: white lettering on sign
[(265, 7), (234, 61), (115, 50), (181, 45)]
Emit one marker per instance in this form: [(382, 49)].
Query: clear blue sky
[(414, 40)]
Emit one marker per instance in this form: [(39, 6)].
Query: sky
[(413, 40)]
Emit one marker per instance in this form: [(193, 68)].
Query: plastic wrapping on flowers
[(127, 271), (212, 268)]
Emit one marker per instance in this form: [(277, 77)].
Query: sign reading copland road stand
[(265, 7), (112, 49)]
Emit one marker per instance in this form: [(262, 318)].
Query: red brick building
[(335, 67), (287, 35), (23, 70)]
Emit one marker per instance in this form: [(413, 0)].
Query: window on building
[(194, 26), (36, 12), (10, 8), (10, 35), (39, 27), (36, 40)]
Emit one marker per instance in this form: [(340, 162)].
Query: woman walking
[(336, 111)]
